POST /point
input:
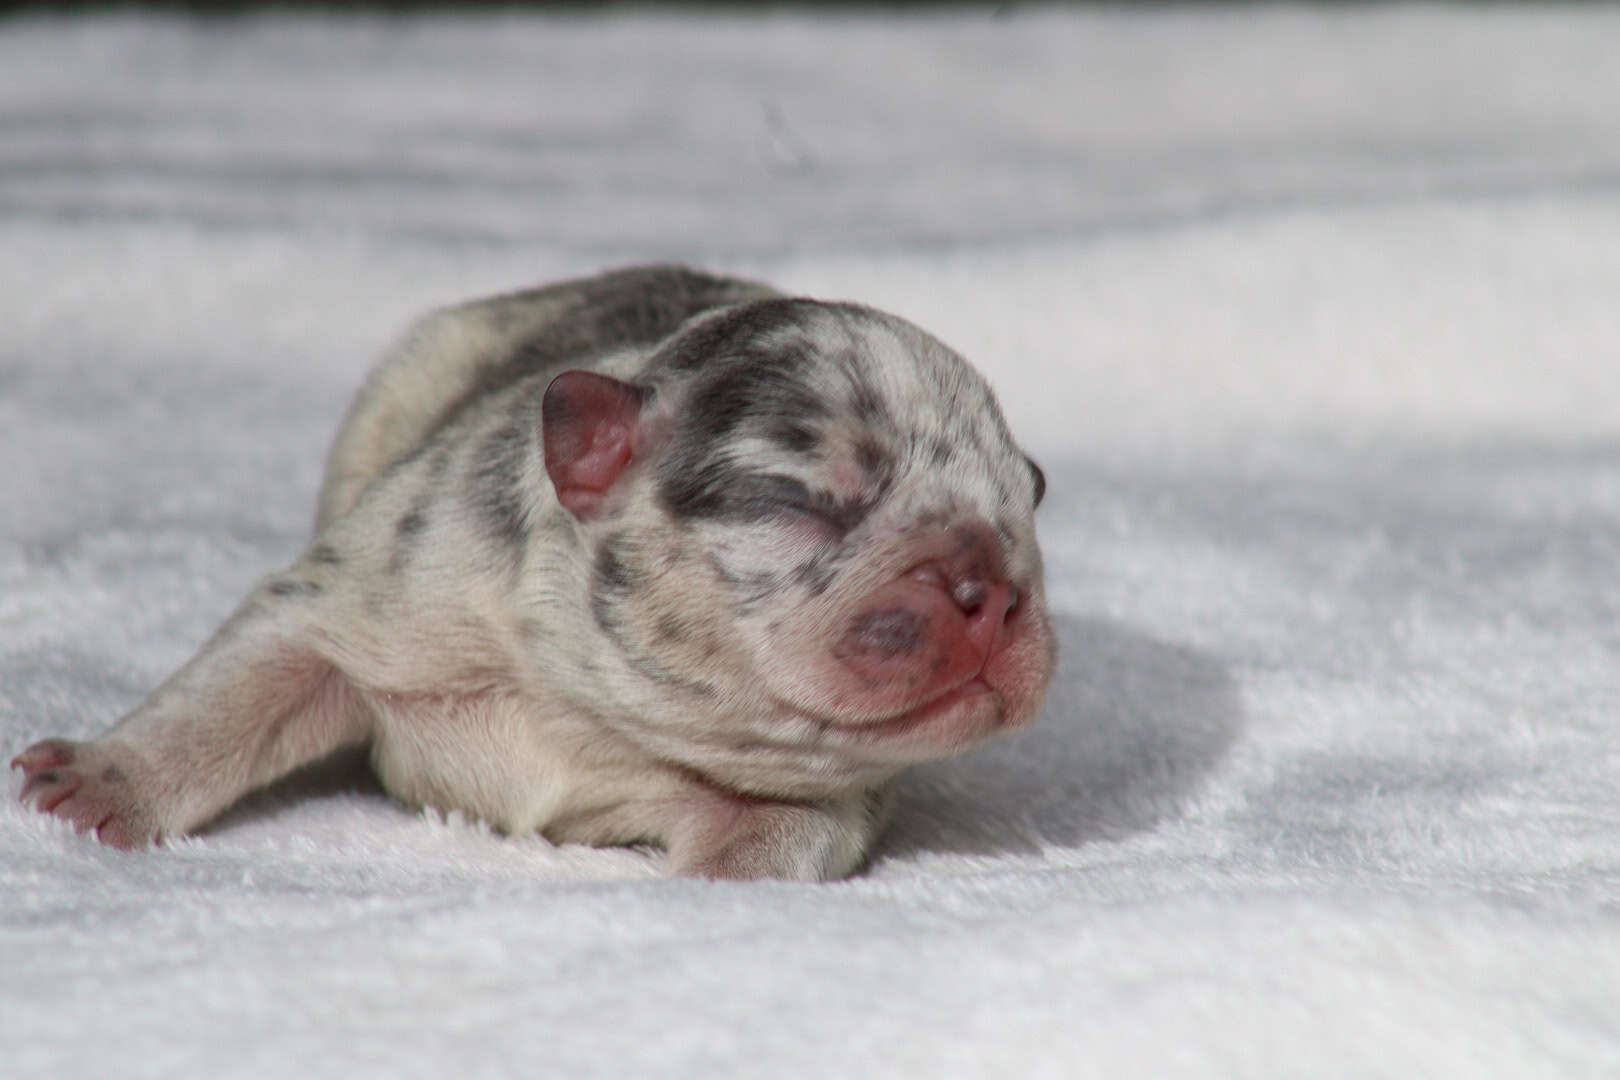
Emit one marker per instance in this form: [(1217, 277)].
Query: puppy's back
[(456, 355)]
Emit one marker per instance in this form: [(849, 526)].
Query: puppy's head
[(812, 543)]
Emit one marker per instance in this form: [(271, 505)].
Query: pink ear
[(588, 425)]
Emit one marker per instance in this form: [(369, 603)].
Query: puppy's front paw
[(739, 840), (90, 785)]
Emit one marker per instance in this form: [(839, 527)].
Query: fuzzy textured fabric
[(1312, 317)]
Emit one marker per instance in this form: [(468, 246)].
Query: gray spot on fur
[(640, 306), (411, 523), (815, 575), (885, 634), (407, 534), (495, 483), (611, 580)]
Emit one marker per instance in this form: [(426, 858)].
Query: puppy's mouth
[(975, 695), (918, 644), (936, 659), (945, 692)]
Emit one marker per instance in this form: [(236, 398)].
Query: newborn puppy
[(650, 557)]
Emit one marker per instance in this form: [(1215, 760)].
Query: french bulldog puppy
[(650, 557)]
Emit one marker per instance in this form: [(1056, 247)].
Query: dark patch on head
[(754, 383), (639, 306), (974, 557), (735, 333), (325, 555), (644, 305), (765, 389), (757, 365), (495, 489), (816, 575), (753, 587), (749, 498), (1040, 479), (727, 491), (878, 469), (791, 435), (871, 457), (758, 587), (294, 588), (939, 452), (667, 628)]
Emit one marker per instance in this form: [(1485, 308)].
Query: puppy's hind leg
[(256, 702)]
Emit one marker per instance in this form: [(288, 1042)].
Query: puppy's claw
[(87, 786), (48, 754)]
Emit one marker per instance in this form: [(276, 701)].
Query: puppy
[(650, 557)]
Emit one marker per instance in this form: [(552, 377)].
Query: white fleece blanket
[(1313, 318)]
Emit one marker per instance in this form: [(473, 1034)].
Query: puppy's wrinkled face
[(827, 547)]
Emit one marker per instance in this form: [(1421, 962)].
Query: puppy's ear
[(592, 427)]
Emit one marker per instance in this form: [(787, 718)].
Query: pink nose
[(986, 605), (935, 628), (973, 578)]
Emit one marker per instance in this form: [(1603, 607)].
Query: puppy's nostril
[(969, 595)]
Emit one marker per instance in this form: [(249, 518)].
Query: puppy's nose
[(974, 578), (987, 607), (971, 596)]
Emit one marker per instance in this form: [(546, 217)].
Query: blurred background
[(1187, 173)]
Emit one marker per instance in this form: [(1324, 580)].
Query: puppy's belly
[(520, 764)]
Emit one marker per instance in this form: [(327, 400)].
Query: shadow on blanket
[(1132, 726)]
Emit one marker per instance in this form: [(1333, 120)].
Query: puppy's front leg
[(738, 838), (259, 700)]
